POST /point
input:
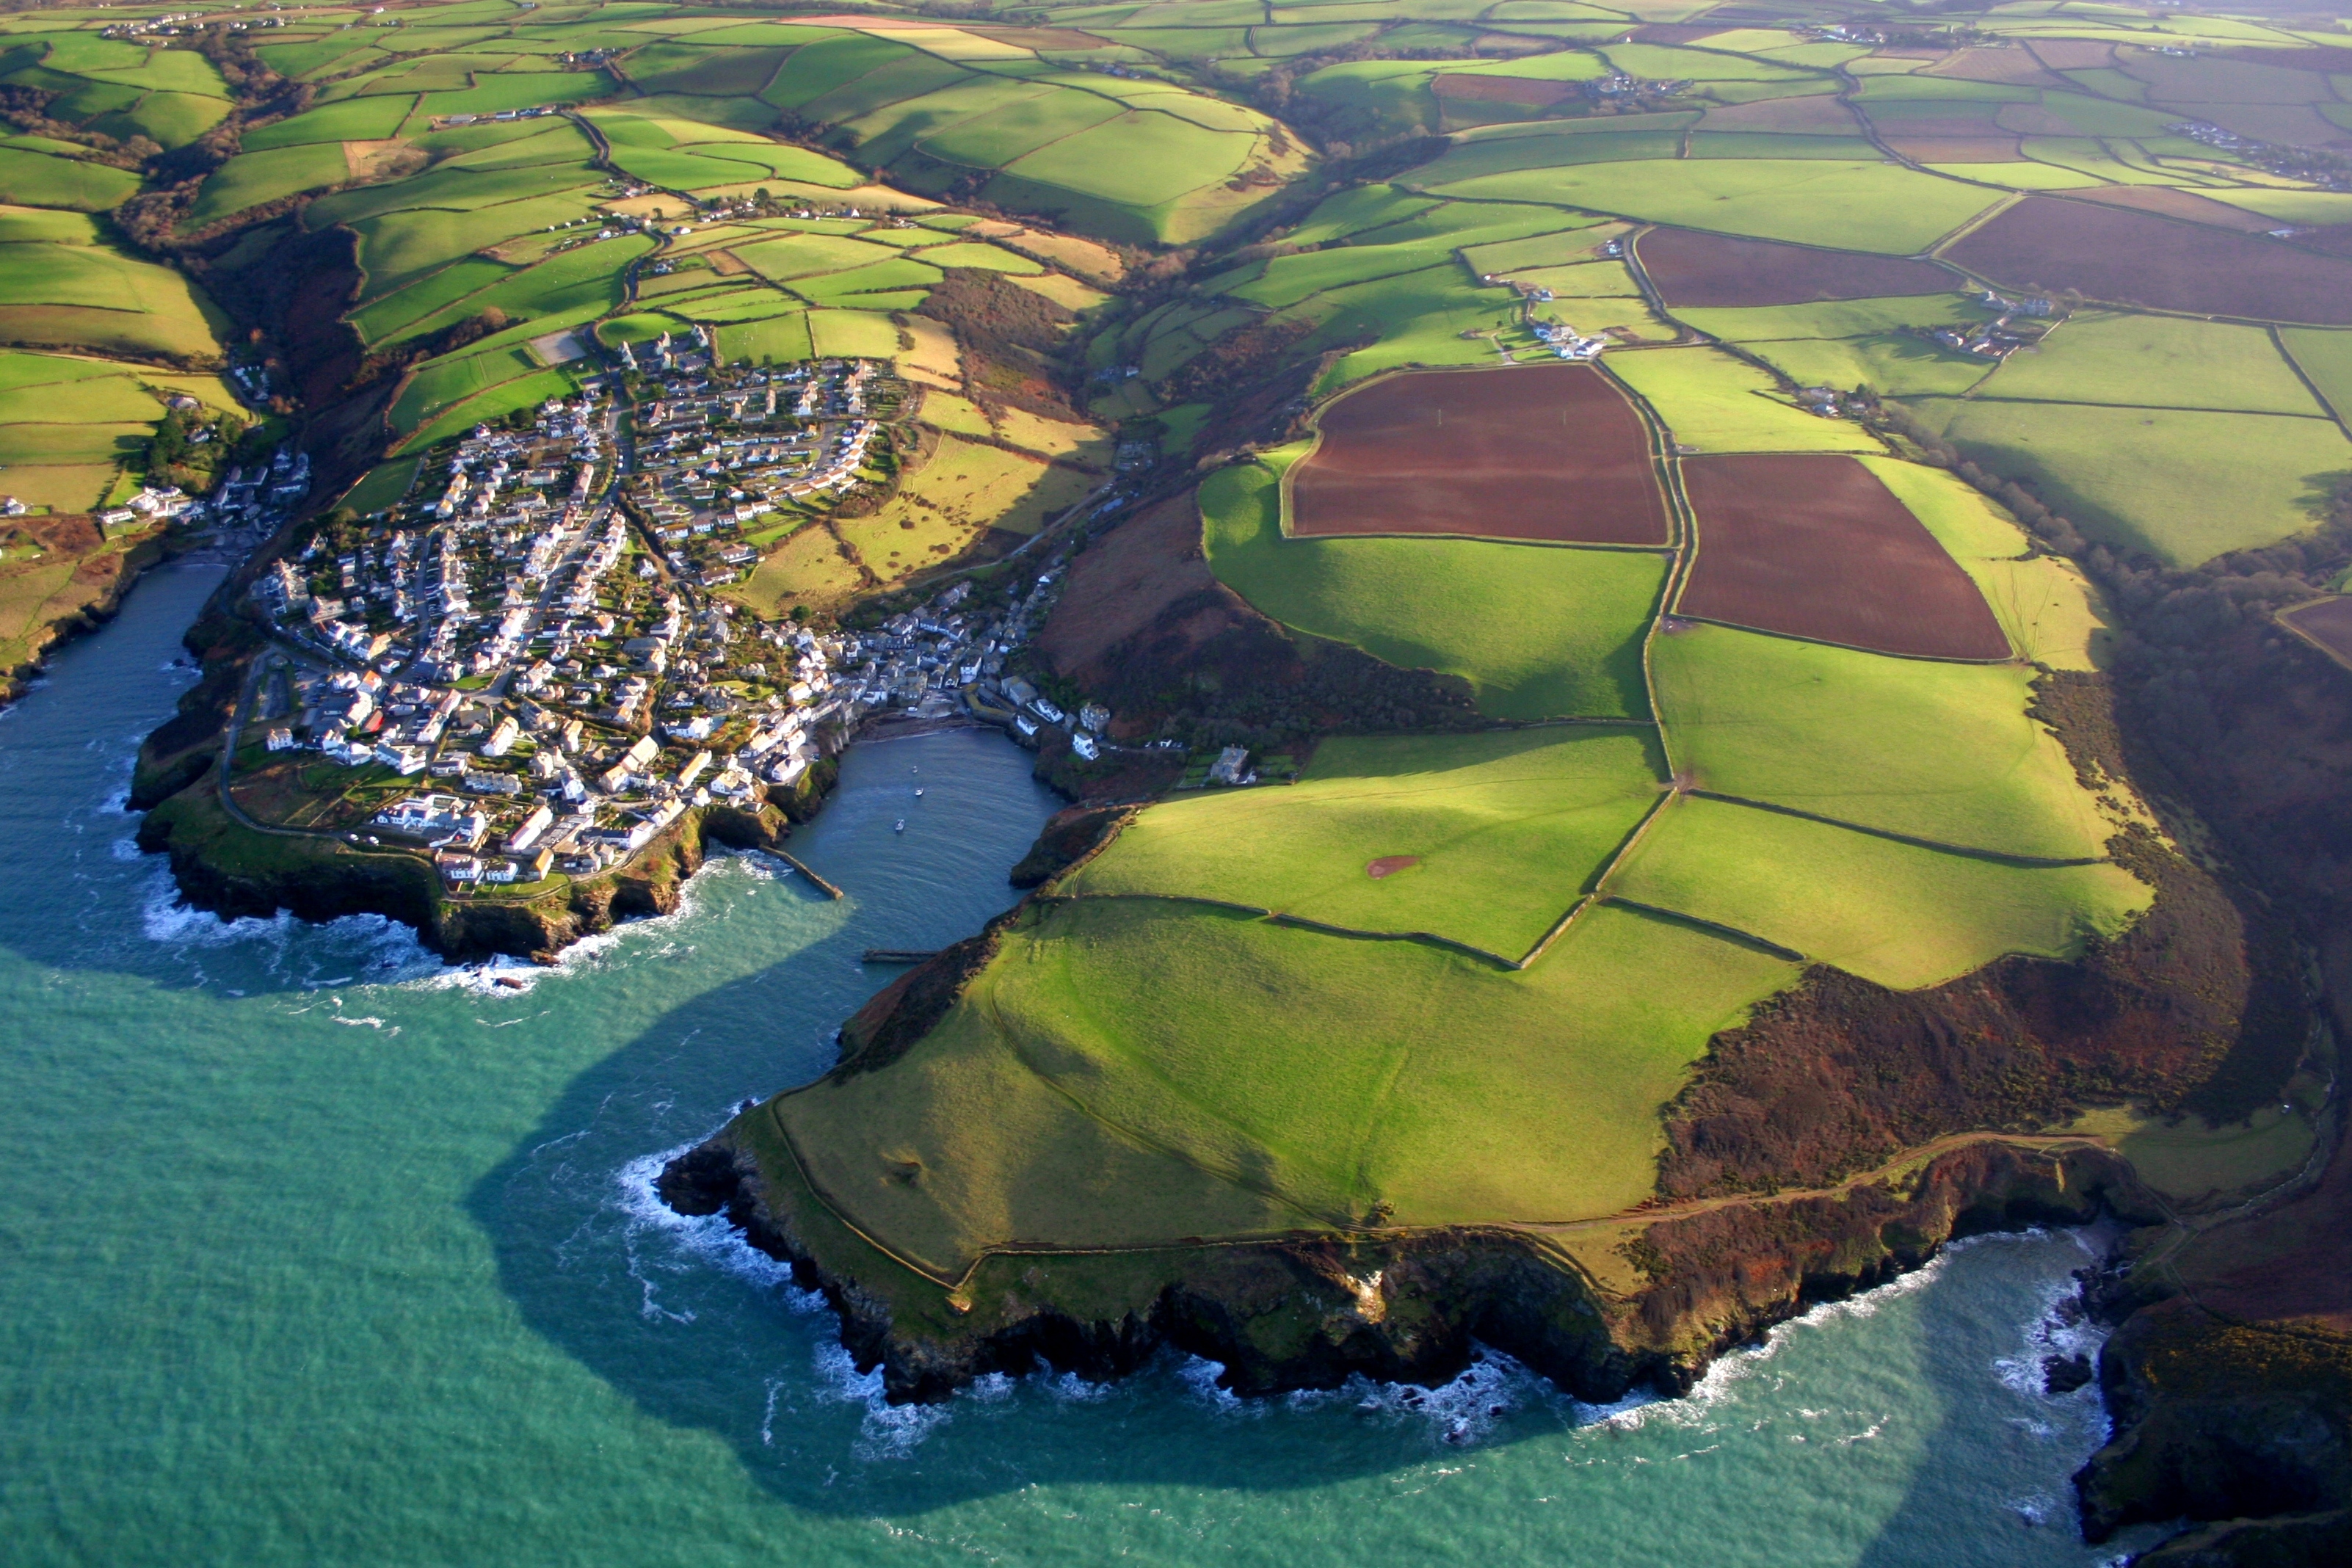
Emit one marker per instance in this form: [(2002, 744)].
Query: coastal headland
[(1691, 656)]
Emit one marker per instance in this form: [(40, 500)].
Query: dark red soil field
[(1811, 545), (2172, 201), (1552, 452), (2131, 258), (1504, 89), (1957, 149), (1389, 865), (1706, 271), (2329, 624)]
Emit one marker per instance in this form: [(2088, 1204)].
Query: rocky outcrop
[(233, 870), (2246, 1424)]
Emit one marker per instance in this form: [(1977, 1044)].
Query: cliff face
[(1311, 1313), (233, 871)]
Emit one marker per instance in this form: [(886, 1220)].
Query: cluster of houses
[(2312, 165), (2015, 324), (719, 447)]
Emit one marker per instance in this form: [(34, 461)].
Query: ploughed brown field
[(2171, 203), (2133, 257), (1525, 90), (1552, 452), (1811, 545), (1707, 271), (2327, 622)]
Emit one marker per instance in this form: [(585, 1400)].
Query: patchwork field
[(1481, 839), (1939, 753), (1552, 452), (1899, 915)]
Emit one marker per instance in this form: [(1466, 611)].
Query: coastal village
[(523, 668)]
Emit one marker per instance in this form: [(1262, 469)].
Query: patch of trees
[(1011, 340), (1249, 354)]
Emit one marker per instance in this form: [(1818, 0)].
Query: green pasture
[(2051, 614), (1938, 751), (851, 335), (443, 382), (1355, 210), (1299, 1077), (1529, 159), (1141, 159), (1538, 631), (1510, 828), (171, 118), (400, 246), (249, 179), (808, 255), (47, 389), (2155, 362), (1834, 318), (839, 287), (1892, 363), (38, 179), (1853, 206), (453, 188), (1562, 248), (395, 313), (2326, 358), (1714, 403), (42, 226), (494, 403), (1900, 915), (2182, 487), (1016, 128), (382, 486), (1417, 319)]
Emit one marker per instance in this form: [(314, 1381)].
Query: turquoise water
[(314, 1251)]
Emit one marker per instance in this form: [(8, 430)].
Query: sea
[(317, 1250)]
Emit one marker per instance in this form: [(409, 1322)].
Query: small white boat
[(919, 794), (901, 827)]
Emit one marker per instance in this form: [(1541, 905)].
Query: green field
[(1852, 206), (1903, 916), (1942, 753), (1298, 1077), (1510, 828), (1711, 402), (2159, 362), (38, 179), (2180, 487), (1539, 632), (250, 179), (2326, 358)]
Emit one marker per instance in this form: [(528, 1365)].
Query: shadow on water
[(703, 1333), (2018, 1453)]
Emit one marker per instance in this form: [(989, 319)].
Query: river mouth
[(323, 1250)]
